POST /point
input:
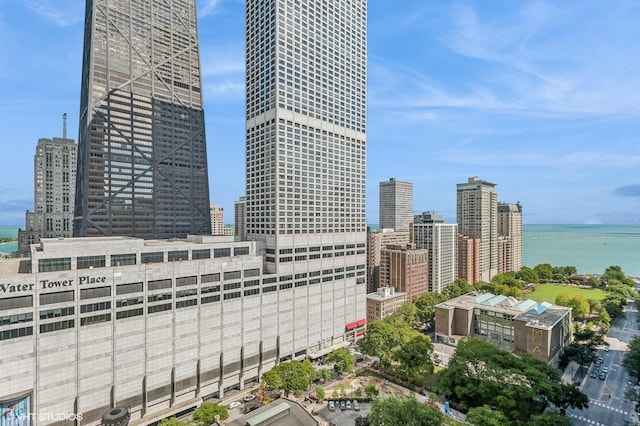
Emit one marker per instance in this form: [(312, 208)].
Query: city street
[(607, 403)]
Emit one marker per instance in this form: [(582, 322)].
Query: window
[(62, 296), (286, 286), (222, 252), (123, 259), (232, 295), (130, 313), (251, 283), (269, 280), (209, 299), (269, 289), (55, 313), (213, 289), (155, 257), (185, 293), (16, 302), (96, 319), (92, 293), (88, 262), (301, 283), (93, 307), (16, 319), (185, 303), (159, 284), (240, 251), (251, 272), (55, 326), (129, 301), (234, 275), (158, 297), (201, 254), (49, 265), (232, 286), (252, 291), (210, 278), (15, 333), (176, 256), (128, 288), (182, 281), (159, 308)]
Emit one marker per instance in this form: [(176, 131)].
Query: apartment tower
[(142, 159), (405, 268), (396, 205), (54, 182), (440, 239), (510, 235), (240, 217), (217, 220), (477, 217), (306, 109)]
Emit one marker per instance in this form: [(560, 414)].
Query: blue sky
[(541, 98)]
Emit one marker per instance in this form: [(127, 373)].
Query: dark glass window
[(222, 252), (86, 262), (182, 281), (15, 333), (16, 302), (55, 313), (201, 254), (55, 326), (96, 319), (123, 259), (233, 275), (48, 265), (130, 313), (240, 251), (92, 293), (62, 296), (210, 278), (159, 284), (128, 288), (157, 257), (175, 256)]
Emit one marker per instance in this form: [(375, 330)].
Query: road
[(607, 403)]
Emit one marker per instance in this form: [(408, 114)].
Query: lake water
[(590, 248)]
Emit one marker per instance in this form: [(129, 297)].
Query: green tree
[(342, 359), (171, 422), (544, 272), (425, 307), (324, 374), (604, 320), (631, 359), (415, 357), (549, 419), (320, 393), (402, 411), (206, 414), (371, 391), (563, 299), (383, 338), (457, 288), (291, 377), (579, 305), (485, 416), (527, 275), (408, 313)]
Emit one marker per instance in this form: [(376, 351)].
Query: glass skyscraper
[(142, 161)]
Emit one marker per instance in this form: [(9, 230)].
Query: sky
[(540, 98)]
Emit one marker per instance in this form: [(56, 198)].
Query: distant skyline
[(540, 98)]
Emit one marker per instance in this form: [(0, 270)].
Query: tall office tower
[(477, 217), (142, 159), (469, 259), (54, 183), (510, 233), (217, 220), (440, 239), (240, 217), (396, 205), (306, 110), (405, 268), (375, 242)]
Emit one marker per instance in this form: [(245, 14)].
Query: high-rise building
[(405, 268), (469, 259), (54, 183), (217, 220), (396, 205), (306, 157), (142, 159), (510, 235), (440, 239), (477, 217), (240, 217), (375, 242)]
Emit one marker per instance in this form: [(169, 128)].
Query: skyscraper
[(510, 235), (396, 205), (217, 220), (440, 239), (142, 160), (306, 155), (54, 182), (477, 217), (240, 217)]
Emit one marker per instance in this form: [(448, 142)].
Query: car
[(356, 406), (599, 361), (343, 405), (234, 404), (605, 370), (249, 397), (602, 376), (594, 374), (348, 405), (332, 405), (606, 348)]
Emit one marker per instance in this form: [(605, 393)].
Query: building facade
[(142, 159), (477, 217), (384, 302), (405, 268), (540, 329), (396, 205), (510, 236), (154, 325), (375, 242), (240, 217), (440, 239), (217, 220), (54, 182)]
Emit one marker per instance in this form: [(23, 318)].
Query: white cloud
[(61, 13), (226, 89), (208, 7)]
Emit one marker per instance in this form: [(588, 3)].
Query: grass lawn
[(549, 292)]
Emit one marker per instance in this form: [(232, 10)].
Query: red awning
[(360, 333), (361, 322), (351, 325)]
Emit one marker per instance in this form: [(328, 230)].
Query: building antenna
[(64, 125)]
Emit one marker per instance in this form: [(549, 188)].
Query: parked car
[(248, 398), (343, 405), (606, 348), (603, 376), (234, 404), (332, 405), (349, 406), (356, 406), (594, 374), (605, 369)]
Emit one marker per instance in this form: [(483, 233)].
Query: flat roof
[(297, 416)]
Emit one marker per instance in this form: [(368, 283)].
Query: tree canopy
[(631, 360), (205, 414), (342, 359), (291, 377), (402, 411)]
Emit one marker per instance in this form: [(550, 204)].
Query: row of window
[(89, 262)]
